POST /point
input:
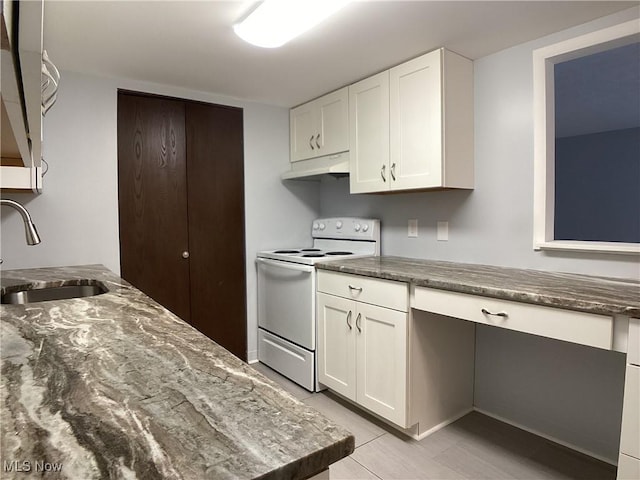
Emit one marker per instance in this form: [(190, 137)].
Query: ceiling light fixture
[(274, 22)]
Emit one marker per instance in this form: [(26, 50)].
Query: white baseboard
[(548, 437), (252, 356), (434, 429)]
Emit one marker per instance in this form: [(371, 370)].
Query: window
[(587, 142)]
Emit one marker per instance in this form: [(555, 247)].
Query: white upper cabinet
[(320, 127), (369, 134), (416, 123), (29, 89), (411, 127)]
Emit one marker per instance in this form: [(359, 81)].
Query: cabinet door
[(382, 361), (336, 344), (416, 123), (333, 122), (369, 134), (30, 50), (302, 132), (628, 468), (630, 432)]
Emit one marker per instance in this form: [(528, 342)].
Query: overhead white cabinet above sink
[(29, 89)]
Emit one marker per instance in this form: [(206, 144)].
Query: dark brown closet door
[(152, 196), (215, 175)]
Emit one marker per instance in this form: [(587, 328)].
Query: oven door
[(287, 301)]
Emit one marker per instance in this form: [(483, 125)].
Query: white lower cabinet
[(336, 344), (362, 348), (363, 354), (628, 468), (629, 459), (411, 368)]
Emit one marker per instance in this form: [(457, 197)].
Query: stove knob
[(365, 227), (315, 226), (322, 226), (338, 224), (356, 227)]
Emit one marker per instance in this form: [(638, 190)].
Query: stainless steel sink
[(65, 291)]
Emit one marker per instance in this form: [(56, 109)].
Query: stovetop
[(309, 256), (333, 238)]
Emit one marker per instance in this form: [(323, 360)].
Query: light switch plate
[(442, 234), (413, 227)]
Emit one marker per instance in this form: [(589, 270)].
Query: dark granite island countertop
[(115, 386), (591, 294)]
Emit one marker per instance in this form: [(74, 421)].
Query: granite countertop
[(115, 386), (600, 295)]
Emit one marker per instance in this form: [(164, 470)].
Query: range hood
[(315, 168)]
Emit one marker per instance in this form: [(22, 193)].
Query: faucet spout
[(29, 228)]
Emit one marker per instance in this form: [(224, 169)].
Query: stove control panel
[(346, 227)]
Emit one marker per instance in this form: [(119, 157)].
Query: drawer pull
[(358, 289), (358, 322), (498, 314), (349, 320)]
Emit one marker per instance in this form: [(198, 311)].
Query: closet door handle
[(358, 322), (393, 172), (349, 320), (311, 143), (318, 138), (384, 178)]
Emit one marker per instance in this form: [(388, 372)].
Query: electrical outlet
[(413, 227), (442, 234)]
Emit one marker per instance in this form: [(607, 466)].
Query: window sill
[(599, 247)]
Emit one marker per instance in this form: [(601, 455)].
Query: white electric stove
[(287, 293)]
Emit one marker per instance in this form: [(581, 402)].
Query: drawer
[(630, 434), (628, 468), (385, 293), (576, 327), (633, 352)]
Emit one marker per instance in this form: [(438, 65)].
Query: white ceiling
[(192, 44)]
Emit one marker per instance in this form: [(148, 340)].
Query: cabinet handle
[(497, 314), (52, 75), (393, 172), (384, 178), (311, 144), (185, 254), (349, 320), (317, 144), (358, 322), (51, 66), (48, 99), (351, 287)]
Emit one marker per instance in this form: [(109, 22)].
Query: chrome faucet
[(29, 228)]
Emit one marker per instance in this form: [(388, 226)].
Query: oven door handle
[(288, 265)]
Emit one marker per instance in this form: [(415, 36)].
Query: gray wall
[(77, 215), (493, 224)]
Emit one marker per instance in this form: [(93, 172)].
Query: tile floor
[(475, 447)]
